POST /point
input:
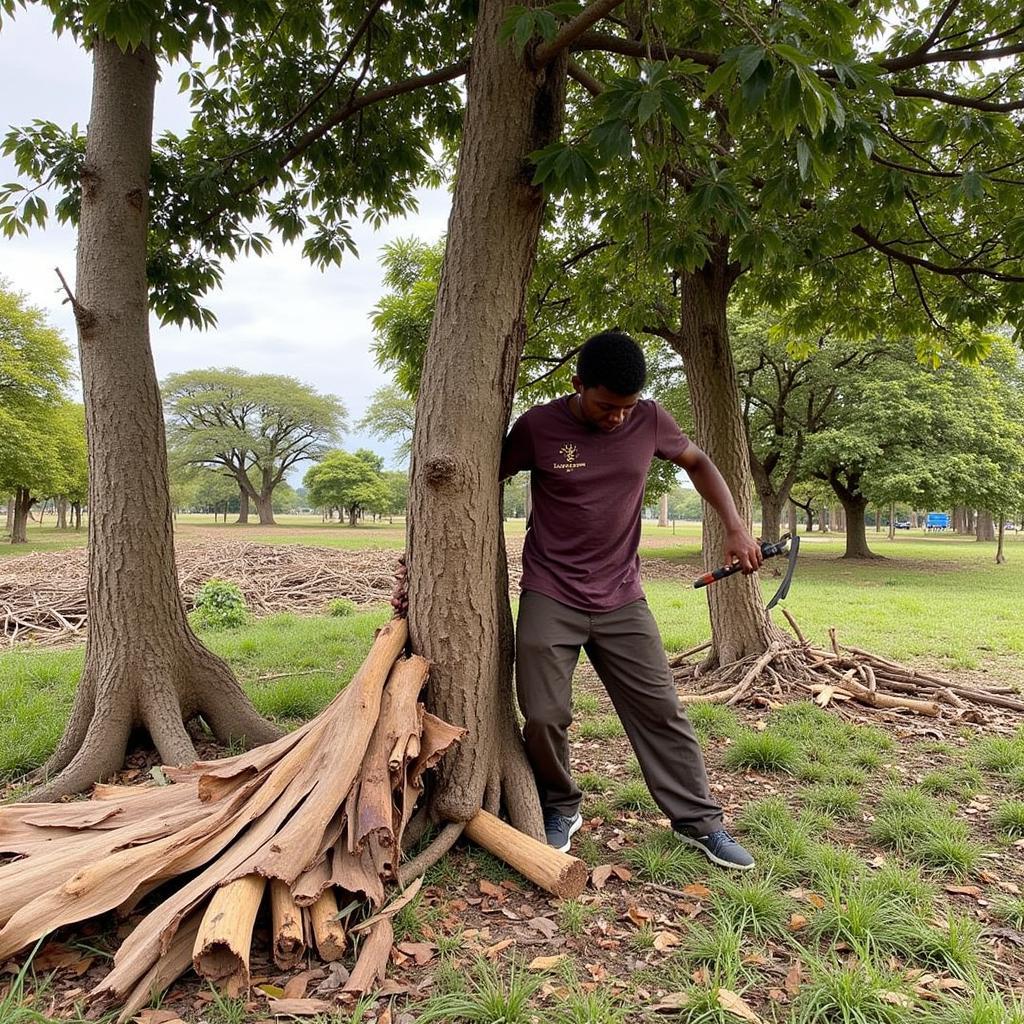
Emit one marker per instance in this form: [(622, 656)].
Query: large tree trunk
[(739, 623), (854, 505), (243, 507), (663, 510), (1000, 533), (10, 513), (22, 508), (771, 516), (62, 513), (459, 610), (143, 665), (985, 527), (76, 507), (792, 527), (265, 500)]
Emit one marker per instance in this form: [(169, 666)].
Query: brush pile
[(310, 822), (839, 675)]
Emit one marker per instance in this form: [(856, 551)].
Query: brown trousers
[(625, 648)]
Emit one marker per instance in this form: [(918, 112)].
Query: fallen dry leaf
[(671, 1002), (421, 952), (639, 916), (299, 1007), (794, 978), (736, 1005), (600, 875), (295, 988), (547, 963), (796, 922), (698, 891), (897, 999), (622, 872), (666, 940), (492, 951), (273, 991), (151, 1016), (964, 890), (544, 925), (490, 889)]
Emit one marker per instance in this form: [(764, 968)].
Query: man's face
[(602, 409)]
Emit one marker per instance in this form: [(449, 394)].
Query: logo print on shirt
[(569, 452)]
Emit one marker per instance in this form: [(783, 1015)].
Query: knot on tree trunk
[(442, 471), (136, 198)]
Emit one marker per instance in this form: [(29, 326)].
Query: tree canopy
[(254, 427)]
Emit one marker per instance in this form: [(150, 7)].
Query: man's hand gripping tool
[(780, 547)]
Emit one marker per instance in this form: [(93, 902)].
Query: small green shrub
[(634, 796), (839, 801), (1010, 818), (219, 605), (339, 607), (763, 751)]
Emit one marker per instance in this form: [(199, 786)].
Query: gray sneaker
[(559, 830), (721, 849)]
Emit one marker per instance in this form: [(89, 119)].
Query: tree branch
[(585, 78), (573, 29), (963, 270), (954, 100), (640, 49), (934, 34)]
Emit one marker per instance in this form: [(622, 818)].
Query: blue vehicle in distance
[(937, 521)]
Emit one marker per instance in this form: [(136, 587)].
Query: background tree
[(353, 482), (254, 427), (143, 664), (389, 417), (35, 369)]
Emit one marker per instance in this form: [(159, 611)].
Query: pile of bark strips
[(308, 824), (42, 595), (798, 669)]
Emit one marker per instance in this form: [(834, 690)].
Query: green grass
[(839, 801), (600, 727), (763, 751), (901, 607), (312, 656)]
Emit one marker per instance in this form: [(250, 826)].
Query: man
[(588, 456)]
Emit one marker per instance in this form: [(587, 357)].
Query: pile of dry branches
[(318, 817), (837, 675), (319, 814), (42, 595)]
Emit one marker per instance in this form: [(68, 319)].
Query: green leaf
[(803, 157), (677, 112), (650, 100), (719, 77), (747, 60)]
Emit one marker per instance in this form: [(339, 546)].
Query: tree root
[(428, 857), (838, 675)]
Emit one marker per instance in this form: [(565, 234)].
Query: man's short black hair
[(612, 359)]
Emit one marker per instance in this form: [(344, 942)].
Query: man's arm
[(740, 546)]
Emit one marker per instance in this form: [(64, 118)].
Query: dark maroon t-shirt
[(588, 489)]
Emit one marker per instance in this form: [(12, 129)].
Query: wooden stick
[(752, 673), (221, 949), (796, 628), (556, 873), (373, 957), (289, 941), (327, 929)]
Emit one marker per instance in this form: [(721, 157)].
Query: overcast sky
[(276, 314)]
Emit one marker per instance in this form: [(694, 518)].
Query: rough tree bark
[(792, 527), (243, 506), (984, 526), (663, 510), (854, 505), (739, 624), (143, 666), (460, 616), (62, 513), (22, 506)]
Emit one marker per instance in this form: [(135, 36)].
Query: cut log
[(221, 951), (328, 931), (557, 873), (286, 918)]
